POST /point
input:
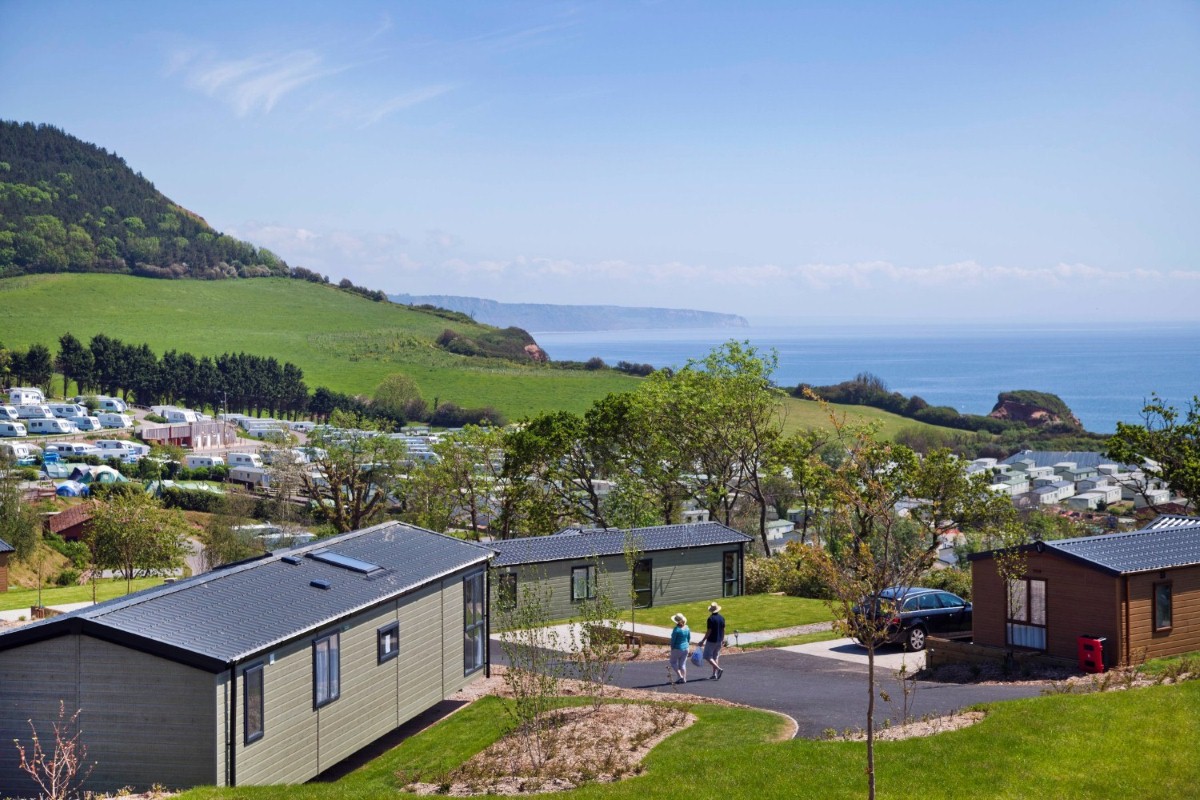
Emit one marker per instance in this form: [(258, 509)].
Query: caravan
[(34, 411), (245, 460), (104, 403), (21, 395), (68, 410), (85, 423), (198, 462), (114, 420), (12, 429), (49, 425), (8, 414)]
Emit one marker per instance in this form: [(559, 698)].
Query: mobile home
[(267, 672)]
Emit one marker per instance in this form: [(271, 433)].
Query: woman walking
[(681, 642)]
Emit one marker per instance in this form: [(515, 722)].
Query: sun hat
[(714, 608), (679, 619)]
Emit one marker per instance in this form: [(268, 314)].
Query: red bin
[(1091, 653)]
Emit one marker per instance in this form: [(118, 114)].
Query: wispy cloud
[(255, 84), (402, 102)]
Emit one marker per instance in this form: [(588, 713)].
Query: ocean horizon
[(1105, 372)]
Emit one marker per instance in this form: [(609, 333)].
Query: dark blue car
[(908, 614)]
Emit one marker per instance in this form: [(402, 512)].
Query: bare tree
[(60, 771)]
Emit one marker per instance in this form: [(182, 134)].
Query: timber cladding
[(1079, 601)]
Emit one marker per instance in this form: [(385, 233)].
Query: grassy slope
[(341, 341), (1129, 744)]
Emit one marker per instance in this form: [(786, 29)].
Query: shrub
[(68, 577), (193, 500), (76, 551), (950, 580), (798, 571)]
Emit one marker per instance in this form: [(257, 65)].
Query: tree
[(223, 539), (74, 361), (398, 398), (802, 465), (1166, 446), (356, 469), (876, 544), (20, 525), (134, 534), (38, 365)]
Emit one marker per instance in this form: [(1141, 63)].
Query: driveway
[(821, 693)]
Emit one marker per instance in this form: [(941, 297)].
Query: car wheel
[(916, 638)]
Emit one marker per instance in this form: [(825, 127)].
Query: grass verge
[(754, 612), (106, 589), (1135, 744)]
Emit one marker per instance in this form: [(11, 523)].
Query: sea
[(1104, 372)]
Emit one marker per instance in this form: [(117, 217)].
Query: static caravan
[(675, 564), (21, 395), (49, 425), (115, 420), (250, 477), (12, 429), (244, 460), (266, 672), (197, 462), (34, 411), (85, 423)]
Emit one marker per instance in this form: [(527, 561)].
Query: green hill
[(341, 341), (67, 205)]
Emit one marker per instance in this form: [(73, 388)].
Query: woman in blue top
[(681, 642)]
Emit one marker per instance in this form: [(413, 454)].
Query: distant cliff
[(547, 317)]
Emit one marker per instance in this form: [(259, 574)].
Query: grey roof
[(1048, 458), (1165, 543), (233, 613), (5, 547), (574, 543)]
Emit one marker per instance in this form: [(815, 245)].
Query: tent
[(71, 489)]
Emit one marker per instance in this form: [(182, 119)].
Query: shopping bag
[(697, 657)]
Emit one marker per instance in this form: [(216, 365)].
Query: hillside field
[(341, 341)]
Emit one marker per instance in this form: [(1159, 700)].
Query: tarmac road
[(819, 693)]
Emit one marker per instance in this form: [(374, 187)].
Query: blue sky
[(792, 160)]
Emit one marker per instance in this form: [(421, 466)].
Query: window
[(389, 642), (474, 623), (253, 682), (506, 591), (583, 583), (1162, 606), (731, 573), (1026, 626), (327, 670), (643, 583)]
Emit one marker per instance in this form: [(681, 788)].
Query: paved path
[(819, 692)]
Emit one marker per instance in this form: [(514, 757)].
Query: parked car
[(912, 613)]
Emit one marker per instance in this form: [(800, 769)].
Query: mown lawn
[(106, 589), (1139, 744), (755, 612)]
